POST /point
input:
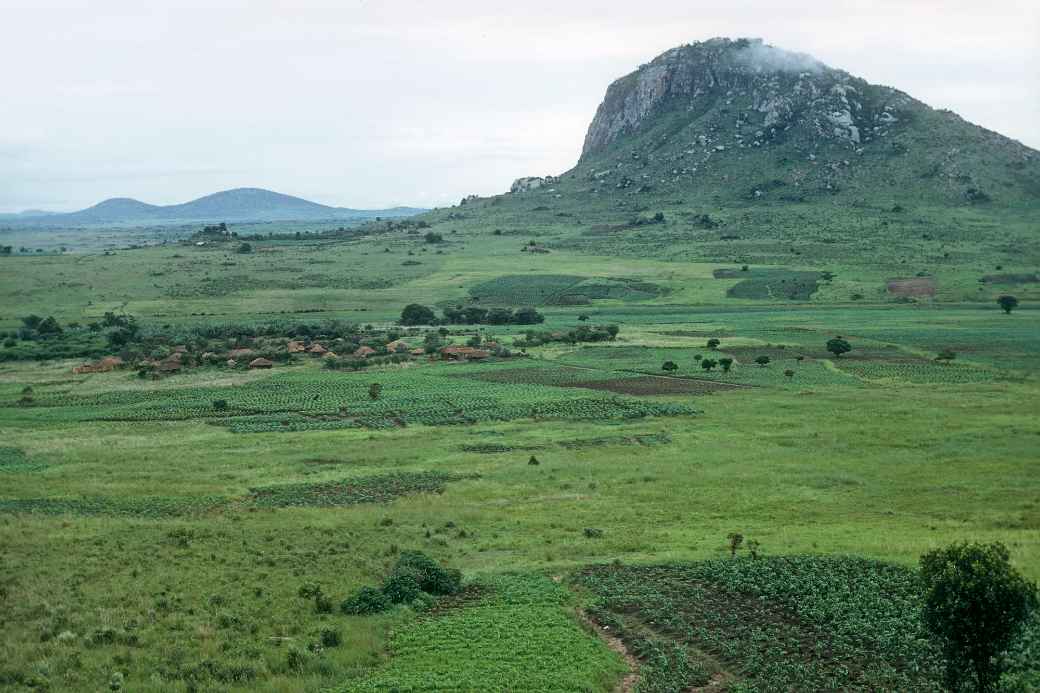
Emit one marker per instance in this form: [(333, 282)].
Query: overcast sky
[(373, 104)]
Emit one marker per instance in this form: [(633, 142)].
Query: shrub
[(430, 576), (401, 587), (726, 364), (735, 540), (416, 314), (838, 346), (763, 360), (669, 366), (789, 373), (220, 405), (593, 533), (1007, 303), (975, 606), (367, 600), (374, 390), (330, 637), (713, 343)]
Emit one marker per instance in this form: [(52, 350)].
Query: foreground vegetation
[(200, 527)]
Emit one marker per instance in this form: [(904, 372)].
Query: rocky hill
[(741, 119), (738, 152)]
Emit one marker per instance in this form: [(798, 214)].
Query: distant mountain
[(238, 205)]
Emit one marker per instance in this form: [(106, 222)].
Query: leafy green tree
[(713, 343), (726, 363), (789, 373), (735, 541), (1008, 303), (708, 364), (529, 316), (416, 314), (669, 366), (838, 346), (762, 360), (975, 606), (433, 237)]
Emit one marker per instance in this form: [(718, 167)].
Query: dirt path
[(628, 682)]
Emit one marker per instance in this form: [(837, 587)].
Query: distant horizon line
[(40, 211)]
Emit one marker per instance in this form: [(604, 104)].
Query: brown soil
[(654, 385), (628, 682), (918, 286)]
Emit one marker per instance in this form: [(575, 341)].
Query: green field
[(169, 533)]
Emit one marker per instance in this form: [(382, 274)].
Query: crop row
[(785, 623)]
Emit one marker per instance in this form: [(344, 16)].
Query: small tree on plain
[(735, 541), (726, 363), (789, 373), (669, 366), (1008, 303), (708, 364), (975, 606), (838, 346), (713, 343), (762, 360)]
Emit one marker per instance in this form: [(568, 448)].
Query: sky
[(399, 102)]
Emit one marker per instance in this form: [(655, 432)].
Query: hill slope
[(240, 204), (732, 151)]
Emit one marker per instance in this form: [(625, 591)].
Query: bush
[(1007, 303), (838, 346), (401, 587), (975, 606), (367, 600), (330, 637), (430, 576), (415, 314)]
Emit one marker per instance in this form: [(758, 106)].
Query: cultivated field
[(197, 527)]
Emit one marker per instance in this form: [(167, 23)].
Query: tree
[(373, 390), (669, 366), (528, 316), (415, 314), (726, 363), (735, 540), (583, 317), (433, 237), (975, 606), (789, 373), (838, 346), (220, 404), (244, 248), (1008, 303), (708, 364), (713, 343), (946, 355), (432, 342), (762, 360)]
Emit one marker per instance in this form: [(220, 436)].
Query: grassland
[(152, 541)]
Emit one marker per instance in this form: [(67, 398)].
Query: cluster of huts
[(176, 360)]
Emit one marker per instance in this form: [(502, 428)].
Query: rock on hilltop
[(739, 117)]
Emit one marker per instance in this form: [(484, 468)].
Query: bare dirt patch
[(917, 286), (628, 682), (654, 385)]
